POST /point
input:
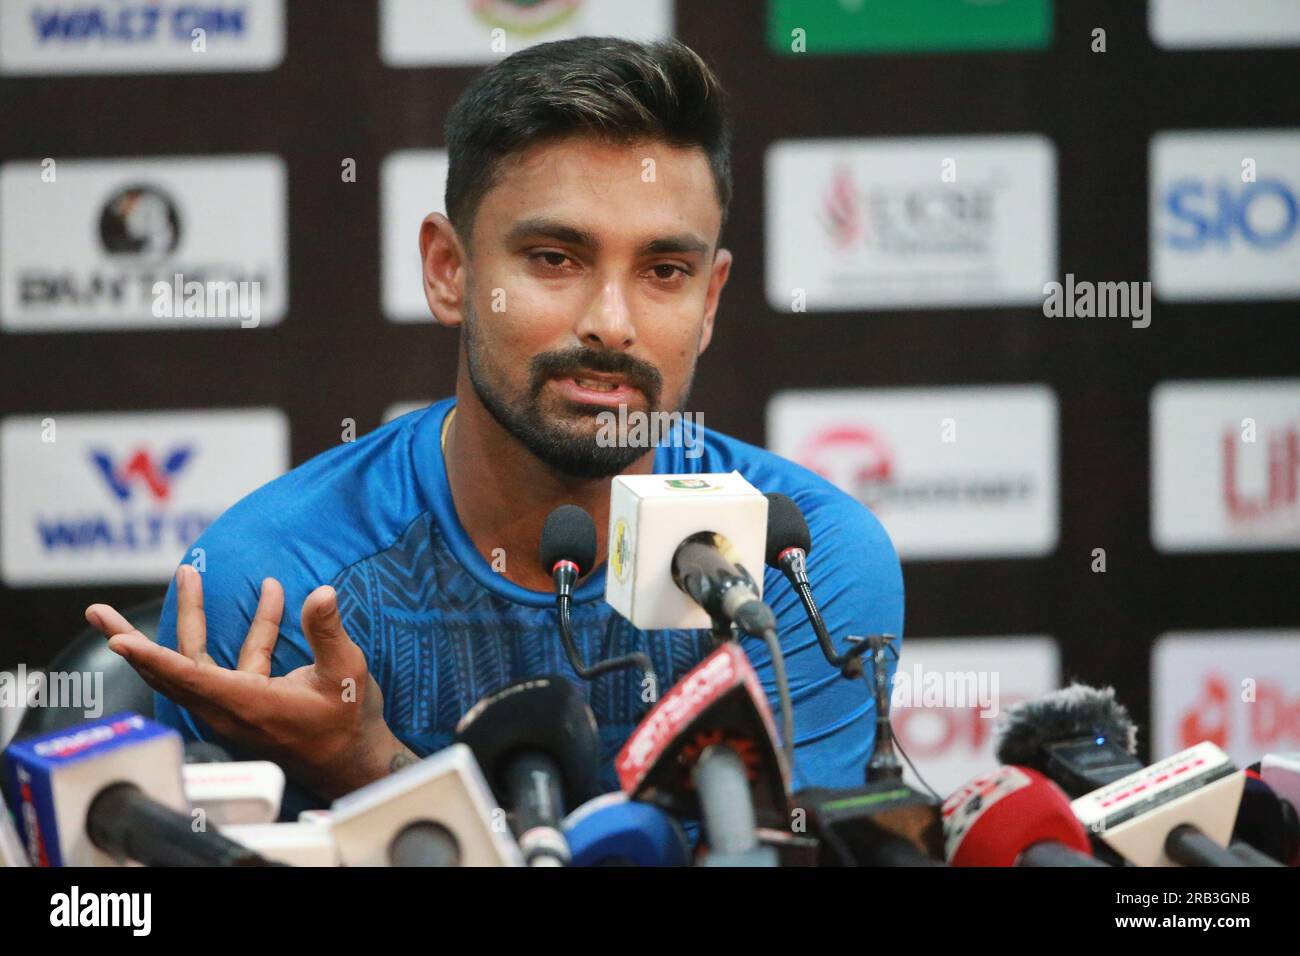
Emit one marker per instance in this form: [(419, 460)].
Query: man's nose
[(607, 322)]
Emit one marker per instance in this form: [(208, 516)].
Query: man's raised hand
[(324, 722)]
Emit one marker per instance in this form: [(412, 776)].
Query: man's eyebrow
[(684, 242), (542, 228)]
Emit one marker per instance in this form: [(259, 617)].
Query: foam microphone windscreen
[(995, 818), (1075, 711), (569, 534), (786, 528), (540, 714)]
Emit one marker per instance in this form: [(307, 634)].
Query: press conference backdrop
[(1093, 480)]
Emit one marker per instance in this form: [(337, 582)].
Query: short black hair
[(621, 90)]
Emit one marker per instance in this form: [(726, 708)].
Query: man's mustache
[(573, 362)]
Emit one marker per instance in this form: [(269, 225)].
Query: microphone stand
[(566, 575)]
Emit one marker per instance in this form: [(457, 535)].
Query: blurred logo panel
[(1240, 690), (1225, 465), (119, 497), (130, 243), (1225, 214), (470, 32), (411, 184), (838, 26), (1205, 24), (129, 36), (949, 693), (950, 472), (909, 223)]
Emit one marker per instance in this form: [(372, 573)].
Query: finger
[(191, 625), (178, 675), (108, 621), (334, 651), (255, 655), (123, 646)]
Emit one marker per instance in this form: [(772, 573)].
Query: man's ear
[(443, 259), (721, 269)]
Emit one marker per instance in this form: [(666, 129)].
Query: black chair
[(88, 652)]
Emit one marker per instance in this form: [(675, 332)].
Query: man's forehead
[(585, 184)]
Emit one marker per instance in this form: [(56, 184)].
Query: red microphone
[(1014, 816)]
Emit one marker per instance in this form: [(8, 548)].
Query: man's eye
[(552, 259), (668, 271)]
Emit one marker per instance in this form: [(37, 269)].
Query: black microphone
[(1265, 821), (125, 823), (537, 745), (789, 542), (702, 570), (1081, 738), (568, 552)]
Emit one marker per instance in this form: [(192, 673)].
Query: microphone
[(656, 582), (1179, 811), (11, 847), (611, 830), (884, 823), (1265, 821), (437, 812), (1282, 773), (1080, 738), (789, 542), (110, 790), (706, 751), (290, 844), (568, 552), (702, 567), (1013, 816), (537, 744), (227, 791)]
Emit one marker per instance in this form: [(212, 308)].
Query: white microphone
[(110, 791), (293, 844), (235, 792), (651, 518), (1179, 811), (438, 812)]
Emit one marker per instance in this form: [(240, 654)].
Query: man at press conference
[(579, 284)]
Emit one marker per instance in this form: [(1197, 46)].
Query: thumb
[(335, 653)]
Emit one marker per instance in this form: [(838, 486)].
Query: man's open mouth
[(599, 384)]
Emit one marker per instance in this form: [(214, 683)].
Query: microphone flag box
[(55, 777), (651, 515), (720, 701), (447, 789), (1133, 815)]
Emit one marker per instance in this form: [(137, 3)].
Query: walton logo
[(142, 469), (148, 521)]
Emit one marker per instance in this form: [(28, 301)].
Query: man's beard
[(569, 445)]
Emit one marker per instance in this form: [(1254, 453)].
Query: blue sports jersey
[(441, 630)]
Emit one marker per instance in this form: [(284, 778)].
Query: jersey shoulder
[(830, 512)]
